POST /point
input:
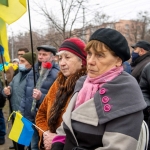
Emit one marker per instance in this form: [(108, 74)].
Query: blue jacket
[(17, 90), (26, 102)]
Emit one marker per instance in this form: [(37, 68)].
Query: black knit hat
[(47, 48), (28, 57), (114, 40)]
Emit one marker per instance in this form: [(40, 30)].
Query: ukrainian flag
[(22, 130)]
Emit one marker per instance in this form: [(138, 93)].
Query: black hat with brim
[(47, 48), (142, 44)]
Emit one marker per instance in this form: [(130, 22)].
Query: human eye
[(59, 58), (67, 56), (99, 55), (89, 53)]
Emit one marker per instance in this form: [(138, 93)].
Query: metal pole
[(31, 43)]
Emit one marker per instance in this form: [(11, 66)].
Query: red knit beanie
[(75, 46)]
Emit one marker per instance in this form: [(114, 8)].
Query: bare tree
[(100, 18), (70, 10)]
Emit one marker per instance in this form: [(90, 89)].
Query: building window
[(126, 26)]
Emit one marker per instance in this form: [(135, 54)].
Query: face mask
[(22, 67), (134, 56)]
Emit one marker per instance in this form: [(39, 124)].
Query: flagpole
[(5, 77), (31, 43), (39, 128)]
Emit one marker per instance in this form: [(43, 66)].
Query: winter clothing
[(142, 44), (75, 46), (15, 60), (17, 89), (145, 83), (127, 67), (28, 57), (114, 40), (43, 112), (61, 90), (91, 85), (27, 99), (145, 87), (138, 65), (2, 98), (47, 48), (2, 119), (104, 117)]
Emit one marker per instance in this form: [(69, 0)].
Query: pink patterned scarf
[(92, 85)]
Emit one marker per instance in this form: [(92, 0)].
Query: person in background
[(127, 67), (140, 57), (15, 61), (2, 119), (72, 62), (106, 109), (15, 90), (22, 51), (145, 87), (46, 54)]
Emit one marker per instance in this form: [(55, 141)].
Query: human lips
[(64, 69)]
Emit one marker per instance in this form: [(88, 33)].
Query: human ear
[(118, 62)]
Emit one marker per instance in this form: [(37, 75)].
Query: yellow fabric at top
[(16, 128), (4, 40), (15, 9)]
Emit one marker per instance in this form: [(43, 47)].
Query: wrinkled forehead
[(63, 52)]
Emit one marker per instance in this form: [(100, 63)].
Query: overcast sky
[(116, 9)]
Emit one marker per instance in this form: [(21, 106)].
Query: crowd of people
[(94, 98)]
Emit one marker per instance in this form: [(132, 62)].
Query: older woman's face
[(69, 63), (100, 62)]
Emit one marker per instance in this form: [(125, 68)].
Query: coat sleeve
[(59, 140), (145, 83), (122, 133), (23, 101), (43, 111)]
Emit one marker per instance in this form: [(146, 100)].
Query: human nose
[(62, 62), (91, 60)]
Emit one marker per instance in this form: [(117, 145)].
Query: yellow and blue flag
[(12, 10), (4, 41), (22, 130)]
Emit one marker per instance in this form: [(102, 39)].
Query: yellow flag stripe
[(4, 40), (14, 11), (17, 128)]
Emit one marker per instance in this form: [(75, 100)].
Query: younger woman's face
[(69, 63)]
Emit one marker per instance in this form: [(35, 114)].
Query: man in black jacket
[(140, 57), (145, 87)]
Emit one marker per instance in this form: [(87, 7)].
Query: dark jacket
[(127, 67), (145, 87), (91, 127), (17, 90), (138, 65), (2, 98), (26, 102), (145, 83)]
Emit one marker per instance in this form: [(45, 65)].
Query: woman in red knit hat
[(72, 62)]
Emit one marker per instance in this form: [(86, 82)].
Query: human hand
[(47, 139), (36, 94), (7, 90)]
